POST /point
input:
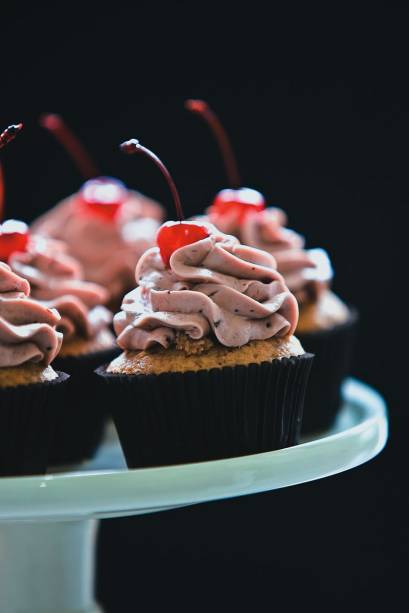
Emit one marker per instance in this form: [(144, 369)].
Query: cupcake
[(56, 281), (31, 391), (105, 226), (210, 367), (326, 325)]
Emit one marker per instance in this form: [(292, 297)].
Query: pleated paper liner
[(82, 417), (333, 352), (28, 416), (175, 418)]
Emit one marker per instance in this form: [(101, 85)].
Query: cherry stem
[(64, 135), (9, 134), (2, 192), (201, 108), (6, 137), (133, 146)]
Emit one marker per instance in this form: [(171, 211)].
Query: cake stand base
[(48, 523), (47, 567)]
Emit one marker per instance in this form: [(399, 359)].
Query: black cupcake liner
[(333, 352), (81, 420), (28, 415), (175, 418)]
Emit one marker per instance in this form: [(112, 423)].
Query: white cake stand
[(48, 524)]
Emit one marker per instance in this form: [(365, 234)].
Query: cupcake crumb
[(192, 346), (13, 376), (327, 312), (203, 356)]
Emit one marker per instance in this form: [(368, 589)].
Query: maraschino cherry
[(236, 200), (13, 234), (101, 197), (173, 234)]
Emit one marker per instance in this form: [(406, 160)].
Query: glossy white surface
[(109, 491)]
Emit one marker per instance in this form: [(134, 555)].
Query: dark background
[(317, 105)]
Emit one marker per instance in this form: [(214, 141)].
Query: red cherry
[(14, 236), (102, 197), (175, 234), (240, 201)]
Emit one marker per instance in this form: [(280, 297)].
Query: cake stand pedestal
[(48, 524), (47, 566)]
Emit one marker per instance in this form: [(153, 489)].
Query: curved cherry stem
[(2, 192), (9, 134), (201, 108), (133, 146), (6, 137), (64, 135)]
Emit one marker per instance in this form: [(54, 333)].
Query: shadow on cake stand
[(48, 524)]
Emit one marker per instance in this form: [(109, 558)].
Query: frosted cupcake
[(326, 325), (56, 282), (105, 226), (210, 366), (30, 390)]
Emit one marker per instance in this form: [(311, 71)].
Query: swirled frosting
[(56, 281), (107, 250), (214, 286), (307, 272), (27, 327)]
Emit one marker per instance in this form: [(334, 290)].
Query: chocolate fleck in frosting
[(214, 287), (27, 328), (56, 282), (307, 272), (108, 250)]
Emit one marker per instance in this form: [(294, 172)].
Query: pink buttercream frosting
[(307, 272), (56, 281), (108, 250), (214, 286), (27, 327)]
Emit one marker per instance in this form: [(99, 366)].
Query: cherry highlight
[(64, 135), (201, 108), (133, 146)]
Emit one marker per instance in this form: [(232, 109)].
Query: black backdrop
[(317, 105)]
